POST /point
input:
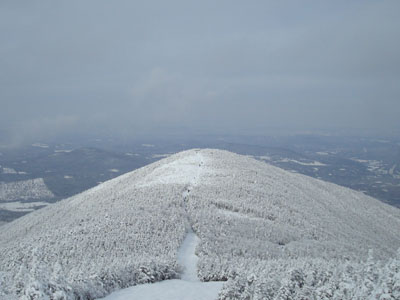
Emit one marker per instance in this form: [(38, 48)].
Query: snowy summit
[(206, 215)]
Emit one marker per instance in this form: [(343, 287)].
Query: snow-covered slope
[(25, 190), (253, 220)]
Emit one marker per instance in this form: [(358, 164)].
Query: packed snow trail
[(169, 290), (187, 257), (189, 287)]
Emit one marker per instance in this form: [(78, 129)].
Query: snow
[(360, 160), (187, 257), (322, 153), (183, 171), (391, 171), (12, 171), (40, 145), (268, 232), (374, 166), (25, 190), (235, 214), (9, 171), (188, 287), (264, 157), (160, 155), (313, 163), (170, 290), (131, 154), (21, 206)]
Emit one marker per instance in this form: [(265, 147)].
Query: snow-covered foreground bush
[(316, 279), (269, 232)]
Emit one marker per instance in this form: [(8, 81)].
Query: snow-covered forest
[(24, 190), (268, 233)]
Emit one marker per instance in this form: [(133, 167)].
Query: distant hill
[(269, 233)]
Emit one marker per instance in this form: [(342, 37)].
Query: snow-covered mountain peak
[(184, 168), (249, 217)]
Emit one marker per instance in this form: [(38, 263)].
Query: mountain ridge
[(126, 231)]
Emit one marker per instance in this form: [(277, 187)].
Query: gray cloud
[(209, 66)]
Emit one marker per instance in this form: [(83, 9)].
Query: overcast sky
[(197, 66)]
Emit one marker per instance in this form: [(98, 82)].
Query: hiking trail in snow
[(187, 257), (189, 287)]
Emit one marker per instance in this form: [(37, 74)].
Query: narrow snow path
[(169, 290), (189, 287), (187, 257)]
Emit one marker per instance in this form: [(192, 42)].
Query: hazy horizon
[(128, 69)]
